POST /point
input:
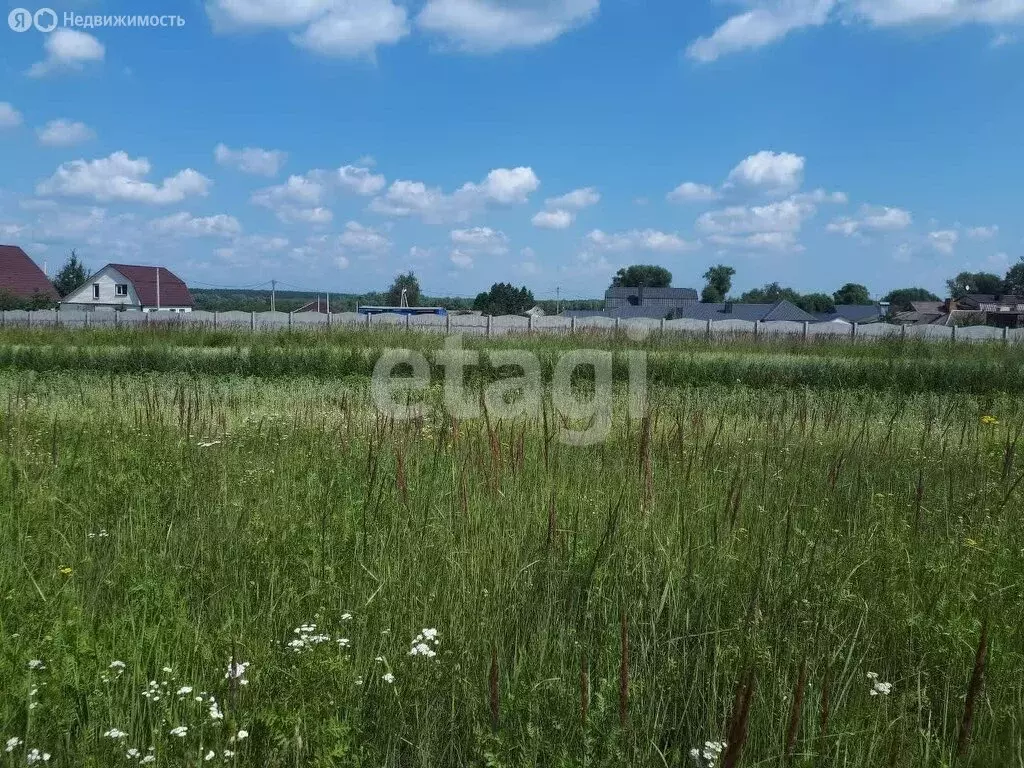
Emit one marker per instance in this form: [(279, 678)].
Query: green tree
[(852, 293), (71, 275), (899, 300), (642, 276), (816, 302), (504, 299), (39, 300), (9, 301), (411, 285), (719, 283), (974, 282), (1014, 280), (769, 294)]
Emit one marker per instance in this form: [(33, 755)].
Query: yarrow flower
[(12, 744), (236, 672), (209, 756), (101, 534), (308, 638), (114, 733), (35, 756), (36, 664), (185, 690), (117, 665), (708, 755), (388, 678), (989, 420), (180, 731), (878, 688), (346, 616), (424, 644)]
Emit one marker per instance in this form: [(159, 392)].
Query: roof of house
[(21, 276), (780, 310), (651, 293), (851, 313), (173, 291), (623, 313), (921, 317), (927, 306)]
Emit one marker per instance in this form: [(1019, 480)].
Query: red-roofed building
[(21, 277), (132, 287)]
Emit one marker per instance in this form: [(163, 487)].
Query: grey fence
[(502, 325)]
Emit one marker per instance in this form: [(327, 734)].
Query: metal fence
[(500, 325)]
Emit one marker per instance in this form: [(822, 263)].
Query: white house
[(132, 287)]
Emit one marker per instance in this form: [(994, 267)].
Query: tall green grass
[(737, 535)]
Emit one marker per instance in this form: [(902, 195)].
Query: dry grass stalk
[(623, 670), (400, 480), (795, 710), (739, 721), (493, 689), (963, 741), (584, 690)]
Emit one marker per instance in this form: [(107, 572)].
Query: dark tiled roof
[(651, 293), (851, 313), (173, 292), (20, 276), (780, 310), (623, 313)]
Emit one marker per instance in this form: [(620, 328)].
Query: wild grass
[(729, 570)]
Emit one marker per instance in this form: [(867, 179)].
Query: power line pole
[(558, 300), (273, 292)]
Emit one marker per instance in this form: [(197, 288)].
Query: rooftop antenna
[(404, 301)]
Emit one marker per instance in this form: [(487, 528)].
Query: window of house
[(121, 289), (95, 290)]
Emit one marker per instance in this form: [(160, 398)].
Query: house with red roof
[(132, 287), (21, 278)]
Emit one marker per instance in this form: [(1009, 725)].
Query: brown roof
[(173, 291), (20, 276)]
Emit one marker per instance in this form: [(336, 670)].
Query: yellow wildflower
[(989, 420), (66, 570)]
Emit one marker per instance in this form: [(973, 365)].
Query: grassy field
[(813, 569)]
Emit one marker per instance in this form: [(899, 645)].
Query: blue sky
[(330, 144)]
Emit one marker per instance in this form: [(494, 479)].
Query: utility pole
[(558, 300), (273, 291), (328, 303), (157, 288)]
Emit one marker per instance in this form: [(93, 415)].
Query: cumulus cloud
[(9, 116), (302, 197), (767, 171), (481, 240), (360, 180), (773, 226), (871, 218), (639, 240), (557, 219), (691, 192), (502, 186), (119, 177), (944, 240), (983, 233), (259, 162), (338, 28), (67, 50), (64, 133), (364, 240), (485, 26), (186, 225), (771, 20)]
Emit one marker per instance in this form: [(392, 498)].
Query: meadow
[(214, 551)]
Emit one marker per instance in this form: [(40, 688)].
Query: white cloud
[(1002, 39), (67, 50), (689, 191), (771, 20), (502, 186), (484, 26), (186, 225), (119, 177), (872, 218), (983, 233), (9, 116), (461, 259), (481, 240), (782, 216), (767, 171), (360, 181), (260, 162), (822, 196), (760, 26), (557, 219), (64, 133), (576, 200), (305, 191), (639, 240), (342, 28), (316, 216), (944, 240), (762, 241), (364, 239)]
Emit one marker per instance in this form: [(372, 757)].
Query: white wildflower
[(388, 678), (132, 753), (242, 735), (118, 666), (236, 671), (36, 664), (147, 760), (114, 733), (228, 754), (346, 616), (215, 713), (12, 744), (35, 756), (180, 731), (209, 756), (185, 690)]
